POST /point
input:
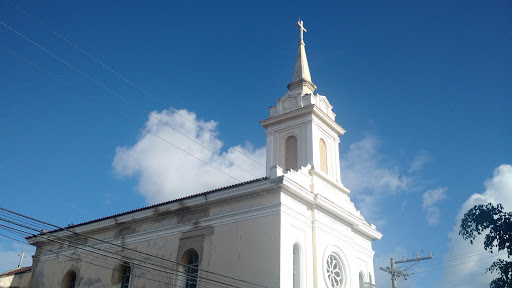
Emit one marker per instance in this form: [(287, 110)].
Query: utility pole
[(395, 272)]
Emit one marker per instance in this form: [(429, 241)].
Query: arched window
[(69, 279), (361, 279), (127, 271), (191, 260), (323, 156), (296, 265), (290, 154)]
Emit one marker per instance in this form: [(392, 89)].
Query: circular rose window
[(334, 271)]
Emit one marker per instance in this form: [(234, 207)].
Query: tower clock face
[(290, 103)]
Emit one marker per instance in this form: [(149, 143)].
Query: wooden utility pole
[(395, 272)]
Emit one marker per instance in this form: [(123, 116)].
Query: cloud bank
[(366, 173), (469, 270), (166, 172), (430, 198)]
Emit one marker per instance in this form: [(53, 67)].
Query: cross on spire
[(301, 77), (301, 31)]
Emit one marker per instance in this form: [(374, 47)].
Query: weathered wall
[(20, 280), (239, 239)]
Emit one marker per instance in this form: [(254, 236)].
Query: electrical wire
[(122, 97), (53, 237), (458, 257), (122, 77), (110, 109), (118, 113), (96, 239), (458, 264), (111, 91), (88, 262)]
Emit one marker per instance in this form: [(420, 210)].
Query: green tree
[(497, 224)]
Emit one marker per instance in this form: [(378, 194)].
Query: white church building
[(294, 228)]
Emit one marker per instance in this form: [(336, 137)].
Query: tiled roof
[(161, 204), (16, 271)]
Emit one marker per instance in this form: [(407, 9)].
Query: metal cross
[(301, 30), (22, 255)]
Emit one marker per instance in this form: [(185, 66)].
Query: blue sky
[(423, 89)]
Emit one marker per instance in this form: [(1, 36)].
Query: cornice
[(358, 223), (328, 180), (200, 201), (304, 111)]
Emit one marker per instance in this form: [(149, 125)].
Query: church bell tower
[(301, 130), (325, 242)]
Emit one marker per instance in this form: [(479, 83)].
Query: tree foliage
[(497, 224)]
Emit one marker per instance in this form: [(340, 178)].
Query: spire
[(301, 78)]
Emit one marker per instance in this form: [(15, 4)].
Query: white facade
[(317, 215), (294, 228)]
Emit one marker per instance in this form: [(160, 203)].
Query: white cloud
[(165, 172), (470, 270), (363, 168), (369, 176), (433, 214), (430, 198), (419, 161)]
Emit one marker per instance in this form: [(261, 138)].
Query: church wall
[(296, 229), (354, 250), (95, 271), (237, 238), (319, 233), (248, 250), (16, 280)]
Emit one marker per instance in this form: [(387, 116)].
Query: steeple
[(302, 133), (301, 77)]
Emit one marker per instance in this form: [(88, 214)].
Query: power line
[(103, 86), (121, 96), (457, 264), (88, 262), (133, 258), (115, 93), (108, 108), (124, 117), (137, 252), (122, 77), (51, 234)]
